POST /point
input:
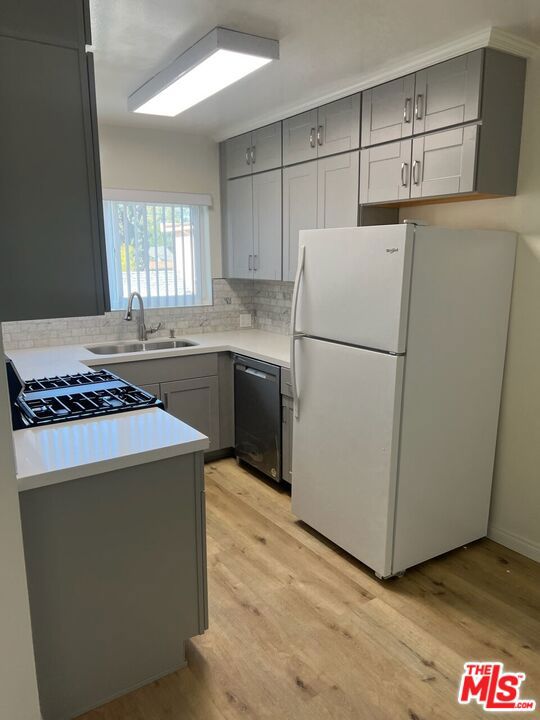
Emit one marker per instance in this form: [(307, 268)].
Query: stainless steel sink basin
[(120, 348)]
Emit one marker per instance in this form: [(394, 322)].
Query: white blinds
[(159, 248)]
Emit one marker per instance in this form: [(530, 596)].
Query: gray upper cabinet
[(253, 152), (330, 129), (238, 156), (266, 148), (337, 190), (58, 22), (338, 126), (267, 225), (299, 210), (387, 111), (240, 227), (195, 402), (443, 163), (253, 239), (448, 93), (51, 203), (385, 172), (300, 137)]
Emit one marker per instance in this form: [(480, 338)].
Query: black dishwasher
[(257, 415)]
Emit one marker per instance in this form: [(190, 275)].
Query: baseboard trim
[(515, 542)]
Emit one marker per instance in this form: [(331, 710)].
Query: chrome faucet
[(142, 330)]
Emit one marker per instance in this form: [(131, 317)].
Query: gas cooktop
[(44, 401)]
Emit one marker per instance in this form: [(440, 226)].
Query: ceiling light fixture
[(217, 60)]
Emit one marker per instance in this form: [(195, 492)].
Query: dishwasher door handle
[(258, 373)]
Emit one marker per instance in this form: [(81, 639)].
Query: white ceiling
[(325, 46)]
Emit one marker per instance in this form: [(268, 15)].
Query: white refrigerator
[(397, 355)]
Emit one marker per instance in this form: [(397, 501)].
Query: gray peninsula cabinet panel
[(50, 189), (253, 152)]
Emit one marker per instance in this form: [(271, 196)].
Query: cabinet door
[(51, 209), (337, 196), (385, 172), (299, 211), (448, 93), (267, 225), (238, 156), (444, 163), (300, 138), (387, 111), (240, 227), (286, 438), (195, 402), (62, 22), (338, 129), (266, 148), (152, 389)]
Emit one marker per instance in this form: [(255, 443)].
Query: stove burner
[(72, 397)]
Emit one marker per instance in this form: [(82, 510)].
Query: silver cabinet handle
[(320, 134), (248, 156), (312, 137), (407, 110), (419, 107), (253, 154), (404, 174), (416, 172), (250, 262)]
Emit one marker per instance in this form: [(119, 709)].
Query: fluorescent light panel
[(219, 59)]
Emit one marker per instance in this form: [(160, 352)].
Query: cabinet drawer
[(167, 369)]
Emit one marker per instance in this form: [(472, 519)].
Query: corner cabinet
[(195, 401), (50, 188)]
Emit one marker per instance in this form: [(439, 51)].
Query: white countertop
[(52, 454)]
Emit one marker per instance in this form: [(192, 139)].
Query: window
[(158, 244)]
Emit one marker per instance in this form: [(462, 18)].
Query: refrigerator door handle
[(299, 273), (294, 385)]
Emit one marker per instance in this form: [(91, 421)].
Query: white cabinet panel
[(387, 111), (240, 227), (267, 225), (266, 147), (299, 210), (337, 201), (238, 156), (385, 172), (338, 128), (444, 163), (300, 137), (448, 93)]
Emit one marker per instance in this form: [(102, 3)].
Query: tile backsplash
[(268, 303)]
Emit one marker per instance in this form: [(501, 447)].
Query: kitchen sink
[(120, 348)]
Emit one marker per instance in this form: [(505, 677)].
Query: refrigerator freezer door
[(355, 285), (345, 446)]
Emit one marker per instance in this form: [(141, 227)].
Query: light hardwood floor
[(300, 631)]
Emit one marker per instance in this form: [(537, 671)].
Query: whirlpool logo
[(391, 251)]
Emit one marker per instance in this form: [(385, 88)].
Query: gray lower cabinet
[(195, 402), (387, 111), (287, 418), (116, 566), (153, 389), (253, 239)]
